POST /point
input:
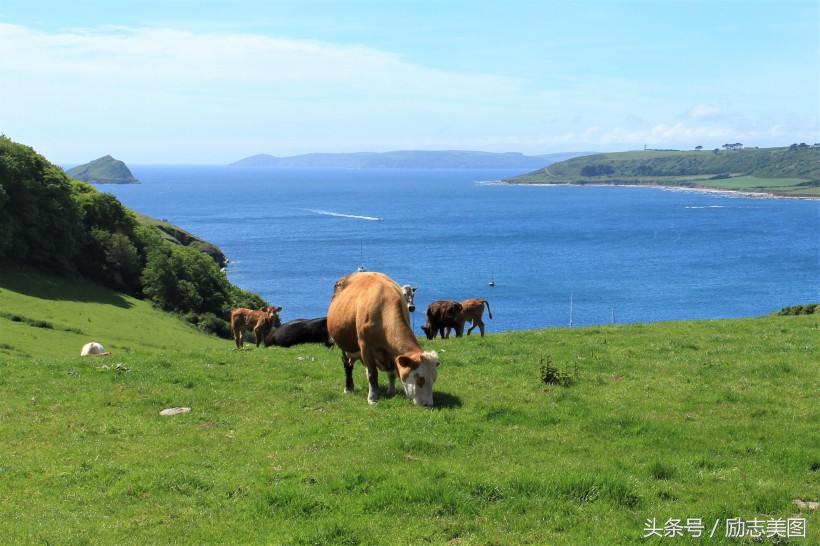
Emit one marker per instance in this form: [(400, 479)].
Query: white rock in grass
[(174, 411)]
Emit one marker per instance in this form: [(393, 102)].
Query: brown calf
[(472, 310), (259, 322)]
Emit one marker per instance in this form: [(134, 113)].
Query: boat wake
[(340, 215)]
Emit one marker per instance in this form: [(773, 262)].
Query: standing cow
[(441, 316), (472, 310), (368, 319), (259, 322)]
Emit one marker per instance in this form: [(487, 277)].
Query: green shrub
[(211, 324), (551, 375), (809, 309)]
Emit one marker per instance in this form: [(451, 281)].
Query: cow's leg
[(476, 323), (391, 383), (237, 338), (347, 361), (373, 384), (480, 327), (257, 333), (370, 361)]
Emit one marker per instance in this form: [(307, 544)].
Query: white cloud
[(165, 95), (704, 111)]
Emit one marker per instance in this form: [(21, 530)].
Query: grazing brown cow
[(472, 310), (368, 320), (260, 322), (441, 316)]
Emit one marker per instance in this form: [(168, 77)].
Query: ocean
[(559, 256)]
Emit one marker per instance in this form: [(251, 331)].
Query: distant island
[(410, 159), (105, 170), (792, 171)]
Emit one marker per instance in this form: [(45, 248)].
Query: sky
[(212, 82)]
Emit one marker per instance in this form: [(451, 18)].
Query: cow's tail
[(489, 313)]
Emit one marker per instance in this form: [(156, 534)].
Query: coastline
[(726, 191)]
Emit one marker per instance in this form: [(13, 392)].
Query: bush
[(597, 170), (551, 375), (182, 279), (809, 309), (211, 324)]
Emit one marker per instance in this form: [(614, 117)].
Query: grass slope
[(47, 316), (179, 236), (773, 171), (678, 420)]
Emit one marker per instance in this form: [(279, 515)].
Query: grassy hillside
[(179, 236), (792, 172), (706, 419), (67, 227), (49, 316)]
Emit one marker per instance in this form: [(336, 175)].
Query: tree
[(112, 252), (182, 279), (39, 220), (698, 148)]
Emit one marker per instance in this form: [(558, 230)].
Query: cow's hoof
[(348, 391), (372, 401)]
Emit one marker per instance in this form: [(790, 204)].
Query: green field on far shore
[(768, 172)]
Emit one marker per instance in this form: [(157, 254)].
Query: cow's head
[(428, 331), (408, 293), (272, 315), (418, 376)]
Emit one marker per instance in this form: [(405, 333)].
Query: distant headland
[(410, 159), (792, 171)]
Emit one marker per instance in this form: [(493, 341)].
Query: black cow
[(442, 315), (298, 331)]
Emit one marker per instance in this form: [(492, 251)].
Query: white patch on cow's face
[(408, 293), (418, 385)]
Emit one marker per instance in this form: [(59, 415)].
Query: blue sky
[(202, 82)]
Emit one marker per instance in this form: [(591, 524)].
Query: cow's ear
[(278, 309), (405, 361)]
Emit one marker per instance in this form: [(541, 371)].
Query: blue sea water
[(557, 254)]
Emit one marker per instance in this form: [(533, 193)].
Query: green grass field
[(783, 187), (704, 420), (67, 314)]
